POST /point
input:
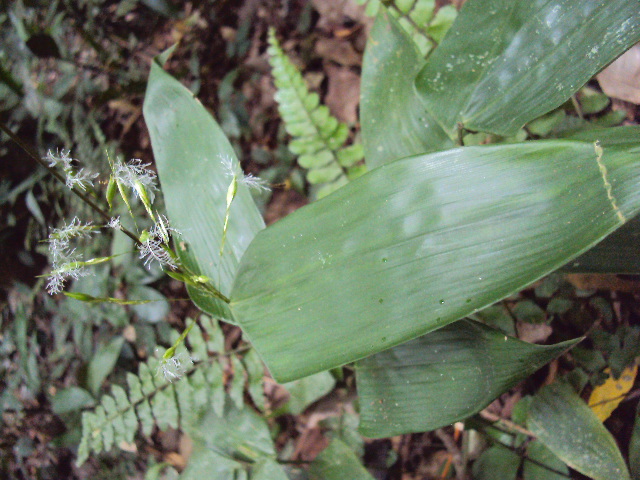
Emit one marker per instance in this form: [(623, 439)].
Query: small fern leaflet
[(318, 138), (153, 400)]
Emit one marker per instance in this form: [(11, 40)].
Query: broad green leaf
[(497, 462), (267, 469), (443, 377), (307, 390), (241, 434), (564, 423), (542, 457), (419, 243), (505, 62), (620, 251), (189, 148), (102, 363), (394, 121), (206, 462), (337, 462)]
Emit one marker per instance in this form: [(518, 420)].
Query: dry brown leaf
[(597, 281), (533, 332), (621, 79), (339, 51), (343, 96)]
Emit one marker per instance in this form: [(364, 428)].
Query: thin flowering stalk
[(238, 177), (53, 171)]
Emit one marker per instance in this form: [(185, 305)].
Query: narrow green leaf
[(372, 265), (527, 58), (564, 423), (190, 149), (443, 377), (395, 123)]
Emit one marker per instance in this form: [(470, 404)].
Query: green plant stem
[(79, 193), (525, 458)]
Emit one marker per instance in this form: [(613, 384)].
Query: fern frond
[(152, 400), (418, 18), (318, 138)]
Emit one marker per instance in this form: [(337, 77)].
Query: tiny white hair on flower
[(154, 244), (134, 174), (62, 158), (59, 238), (79, 178), (59, 157), (175, 367), (65, 267), (114, 222), (233, 170)]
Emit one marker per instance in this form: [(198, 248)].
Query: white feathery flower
[(80, 178), (59, 238), (60, 157), (175, 367), (63, 268), (114, 222), (155, 244), (254, 183), (135, 175), (233, 170)]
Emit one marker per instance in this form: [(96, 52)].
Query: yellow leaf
[(605, 398)]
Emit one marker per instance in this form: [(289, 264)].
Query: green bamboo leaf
[(528, 58), (374, 265), (395, 123), (564, 423), (189, 149), (443, 377)]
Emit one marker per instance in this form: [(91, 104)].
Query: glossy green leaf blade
[(421, 242), (395, 123), (506, 62), (564, 423), (189, 148), (443, 377), (620, 251)]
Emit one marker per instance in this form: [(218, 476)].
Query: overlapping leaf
[(374, 265), (395, 123), (190, 151), (443, 377), (564, 423), (505, 62)]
